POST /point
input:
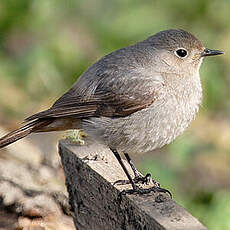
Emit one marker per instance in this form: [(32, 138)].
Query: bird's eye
[(182, 53)]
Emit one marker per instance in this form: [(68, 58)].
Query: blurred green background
[(45, 45)]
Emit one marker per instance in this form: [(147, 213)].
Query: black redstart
[(135, 99)]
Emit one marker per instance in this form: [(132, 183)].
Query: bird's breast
[(152, 127), (172, 115), (164, 120)]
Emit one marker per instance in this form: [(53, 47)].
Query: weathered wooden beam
[(90, 171)]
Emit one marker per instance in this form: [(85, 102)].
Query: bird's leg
[(138, 177), (133, 167), (116, 154)]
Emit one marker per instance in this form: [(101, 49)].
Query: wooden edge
[(90, 171)]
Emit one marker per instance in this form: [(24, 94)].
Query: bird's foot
[(140, 179), (143, 191), (144, 180)]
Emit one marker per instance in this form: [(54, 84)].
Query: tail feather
[(23, 131)]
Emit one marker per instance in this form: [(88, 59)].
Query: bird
[(133, 100)]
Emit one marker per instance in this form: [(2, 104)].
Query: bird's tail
[(25, 130)]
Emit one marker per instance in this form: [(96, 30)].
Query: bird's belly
[(144, 130), (150, 129)]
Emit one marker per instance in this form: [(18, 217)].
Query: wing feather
[(110, 90)]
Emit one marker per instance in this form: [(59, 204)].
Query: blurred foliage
[(45, 45)]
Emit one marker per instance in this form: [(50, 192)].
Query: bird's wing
[(115, 91), (116, 101)]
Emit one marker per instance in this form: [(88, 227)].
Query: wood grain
[(90, 171)]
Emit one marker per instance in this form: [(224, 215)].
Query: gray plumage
[(135, 99)]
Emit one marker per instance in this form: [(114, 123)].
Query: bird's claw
[(143, 191), (139, 179)]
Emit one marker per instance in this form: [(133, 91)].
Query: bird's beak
[(208, 52)]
